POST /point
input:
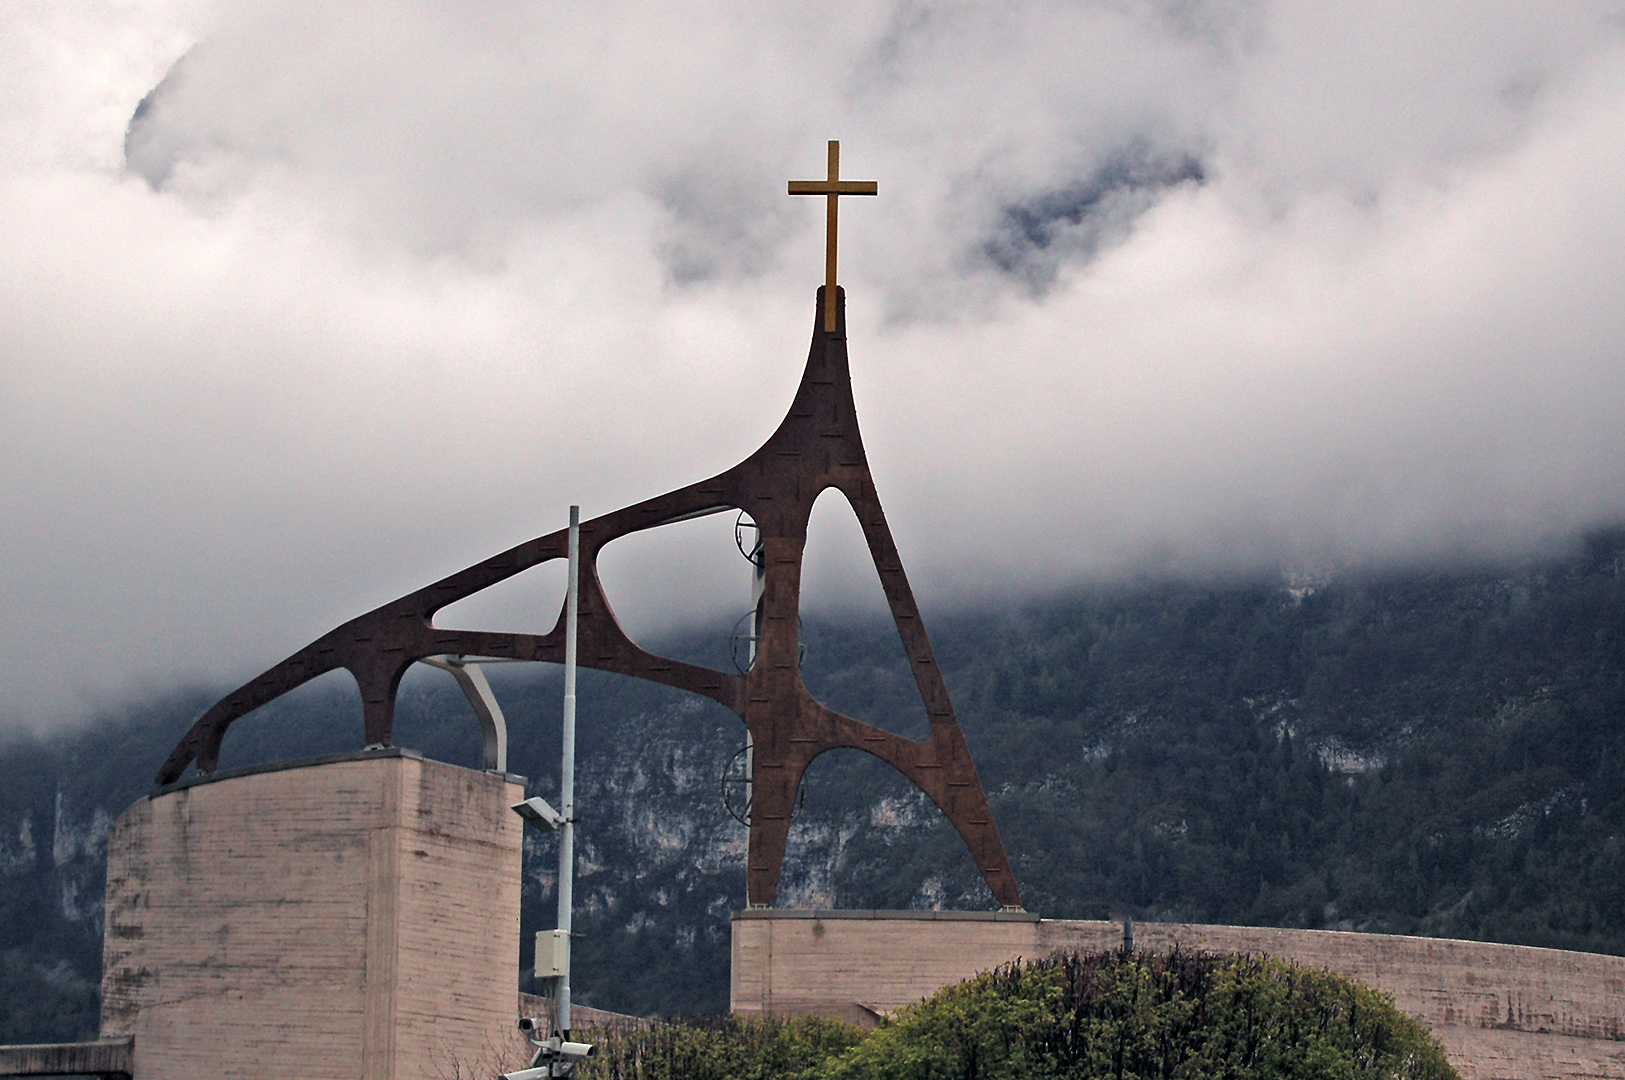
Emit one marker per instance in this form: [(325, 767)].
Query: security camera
[(554, 1058), (536, 812), (529, 1023), (577, 1050)]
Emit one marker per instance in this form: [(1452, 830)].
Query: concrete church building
[(1501, 1012), (352, 916), (357, 917)]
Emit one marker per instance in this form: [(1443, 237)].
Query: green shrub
[(1179, 1015), (721, 1048), (1130, 1016)]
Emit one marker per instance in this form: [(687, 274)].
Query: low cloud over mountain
[(306, 304)]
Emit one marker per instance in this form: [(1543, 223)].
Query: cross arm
[(834, 187)]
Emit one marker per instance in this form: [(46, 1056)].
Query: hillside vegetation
[(1435, 753)]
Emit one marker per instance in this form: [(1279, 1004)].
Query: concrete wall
[(1501, 1011), (861, 965), (355, 917), (109, 1060)]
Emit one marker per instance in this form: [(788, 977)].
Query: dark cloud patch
[(1219, 24), (1035, 237), (722, 223), (909, 21), (150, 148)]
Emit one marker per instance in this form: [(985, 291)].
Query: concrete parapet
[(860, 965), (1501, 1011), (351, 917), (106, 1058)]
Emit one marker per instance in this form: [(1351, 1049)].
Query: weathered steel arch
[(816, 447)]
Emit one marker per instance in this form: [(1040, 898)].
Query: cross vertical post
[(832, 229), (832, 188)]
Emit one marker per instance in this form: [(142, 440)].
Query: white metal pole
[(567, 768), (758, 590)]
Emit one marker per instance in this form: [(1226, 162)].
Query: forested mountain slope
[(1435, 753)]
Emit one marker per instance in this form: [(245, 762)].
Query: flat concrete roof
[(925, 916), (306, 763)]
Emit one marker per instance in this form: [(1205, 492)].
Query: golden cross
[(833, 187)]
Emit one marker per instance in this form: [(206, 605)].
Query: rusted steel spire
[(816, 447)]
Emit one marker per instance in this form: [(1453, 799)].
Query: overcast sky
[(372, 290)]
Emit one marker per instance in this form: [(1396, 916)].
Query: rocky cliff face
[(53, 846), (661, 860), (1432, 753)]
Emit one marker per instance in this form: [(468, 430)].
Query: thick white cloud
[(1206, 287)]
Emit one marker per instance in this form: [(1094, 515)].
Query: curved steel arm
[(477, 689)]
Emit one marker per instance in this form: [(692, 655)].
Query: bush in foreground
[(721, 1048), (1178, 1015)]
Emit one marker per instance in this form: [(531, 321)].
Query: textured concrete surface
[(583, 1018), (107, 1058), (1501, 1011), (356, 918)]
